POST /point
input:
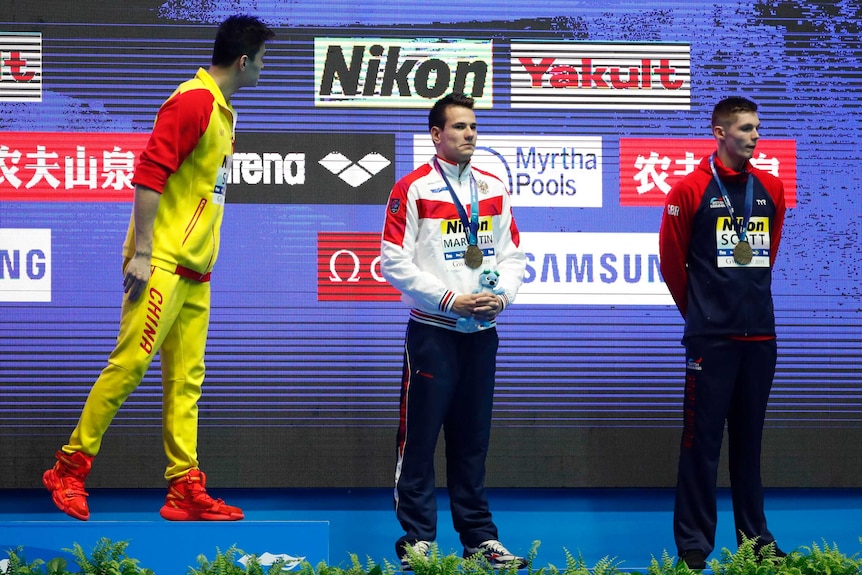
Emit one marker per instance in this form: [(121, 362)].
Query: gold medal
[(473, 257), (742, 253)]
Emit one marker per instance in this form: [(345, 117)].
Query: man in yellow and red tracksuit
[(170, 249)]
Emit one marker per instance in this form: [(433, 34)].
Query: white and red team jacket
[(422, 252)]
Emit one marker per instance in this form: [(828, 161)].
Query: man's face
[(253, 66), (456, 142), (740, 137)]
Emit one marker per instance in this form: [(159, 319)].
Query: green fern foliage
[(667, 565), (18, 564), (109, 558), (816, 560), (434, 563), (574, 565), (106, 558), (223, 563)]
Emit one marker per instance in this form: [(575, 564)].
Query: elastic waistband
[(192, 274)]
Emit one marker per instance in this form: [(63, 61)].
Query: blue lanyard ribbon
[(471, 226), (741, 229)]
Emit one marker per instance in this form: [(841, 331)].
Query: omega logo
[(357, 267)]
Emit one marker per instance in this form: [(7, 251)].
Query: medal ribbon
[(749, 201), (471, 226)]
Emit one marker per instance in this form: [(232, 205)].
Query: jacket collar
[(209, 82), (451, 169), (725, 173)]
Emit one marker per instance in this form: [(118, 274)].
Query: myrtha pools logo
[(549, 171)]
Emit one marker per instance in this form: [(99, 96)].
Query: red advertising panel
[(68, 167), (649, 167), (348, 268)]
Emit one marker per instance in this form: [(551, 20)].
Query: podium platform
[(170, 548), (628, 525)]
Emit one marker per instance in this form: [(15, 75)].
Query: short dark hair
[(724, 111), (239, 35), (437, 115)]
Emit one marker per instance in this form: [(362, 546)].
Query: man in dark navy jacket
[(718, 241)]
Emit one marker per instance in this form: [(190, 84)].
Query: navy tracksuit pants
[(725, 380), (448, 382)]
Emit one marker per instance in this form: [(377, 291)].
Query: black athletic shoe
[(776, 556), (694, 559)]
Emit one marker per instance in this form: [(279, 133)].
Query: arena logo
[(354, 173), (306, 169), (273, 168), (601, 76), (20, 67), (25, 265), (539, 171), (401, 73), (266, 168)]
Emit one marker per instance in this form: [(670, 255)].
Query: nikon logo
[(396, 73)]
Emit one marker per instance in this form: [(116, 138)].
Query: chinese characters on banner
[(68, 167), (649, 167)]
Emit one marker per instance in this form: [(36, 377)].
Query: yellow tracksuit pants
[(171, 317)]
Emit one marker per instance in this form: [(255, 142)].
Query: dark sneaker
[(769, 552), (421, 548), (188, 500), (65, 481), (495, 554), (694, 559)]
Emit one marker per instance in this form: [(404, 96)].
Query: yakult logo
[(400, 73), (584, 75), (20, 67), (588, 75)]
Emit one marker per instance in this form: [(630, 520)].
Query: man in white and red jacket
[(447, 222), (718, 241)]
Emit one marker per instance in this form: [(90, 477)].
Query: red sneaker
[(65, 481), (188, 500)]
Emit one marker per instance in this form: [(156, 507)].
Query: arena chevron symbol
[(354, 174)]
